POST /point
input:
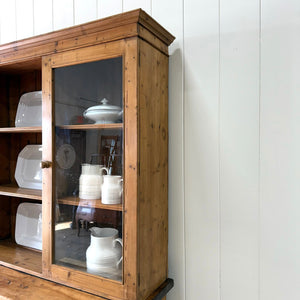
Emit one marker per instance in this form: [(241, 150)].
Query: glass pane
[(89, 167)]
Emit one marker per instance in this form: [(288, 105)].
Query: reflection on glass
[(88, 231)]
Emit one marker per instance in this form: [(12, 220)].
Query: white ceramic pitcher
[(90, 181), (105, 251), (112, 189)]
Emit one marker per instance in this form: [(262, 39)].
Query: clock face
[(65, 156)]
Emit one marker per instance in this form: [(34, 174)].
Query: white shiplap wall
[(234, 209)]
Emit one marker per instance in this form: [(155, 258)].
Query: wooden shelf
[(20, 129), (89, 203), (15, 191), (20, 258), (92, 126)]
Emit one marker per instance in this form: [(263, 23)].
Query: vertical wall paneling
[(134, 4), (171, 17), (85, 11), (201, 71), (8, 21), (105, 8), (239, 149), (24, 18), (42, 16), (63, 14), (280, 148)]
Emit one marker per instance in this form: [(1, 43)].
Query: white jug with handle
[(90, 181), (112, 189), (105, 251)]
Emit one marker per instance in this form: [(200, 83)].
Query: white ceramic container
[(90, 181), (29, 225), (29, 112), (104, 113), (112, 189), (105, 251), (28, 173)]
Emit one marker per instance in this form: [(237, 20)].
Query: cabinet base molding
[(18, 285)]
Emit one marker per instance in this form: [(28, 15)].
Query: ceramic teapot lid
[(104, 106)]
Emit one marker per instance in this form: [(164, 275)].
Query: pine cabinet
[(122, 59)]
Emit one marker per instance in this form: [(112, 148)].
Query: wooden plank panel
[(171, 17), (280, 147), (4, 159), (88, 203), (4, 114), (107, 8), (63, 14), (92, 126), (24, 18), (14, 97), (134, 4), (153, 166), (88, 54), (17, 285), (130, 193), (8, 30), (48, 181), (42, 16), (239, 149), (5, 225), (21, 258), (201, 148), (14, 191), (20, 129), (85, 11)]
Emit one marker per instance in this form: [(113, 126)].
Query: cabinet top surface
[(124, 25)]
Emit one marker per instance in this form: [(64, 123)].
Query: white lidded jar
[(104, 113), (112, 189), (90, 181)]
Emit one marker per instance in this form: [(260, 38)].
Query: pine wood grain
[(153, 176), (89, 203), (100, 31), (17, 285), (20, 129), (21, 258), (13, 190), (92, 126)]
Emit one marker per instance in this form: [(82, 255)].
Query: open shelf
[(92, 126), (89, 203), (21, 258), (15, 191), (20, 129)]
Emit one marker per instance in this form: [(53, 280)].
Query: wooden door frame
[(128, 49)]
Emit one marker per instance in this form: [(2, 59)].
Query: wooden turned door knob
[(45, 164)]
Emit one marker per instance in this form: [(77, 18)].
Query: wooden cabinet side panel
[(131, 167), (153, 160)]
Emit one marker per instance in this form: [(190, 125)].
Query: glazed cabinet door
[(89, 168)]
